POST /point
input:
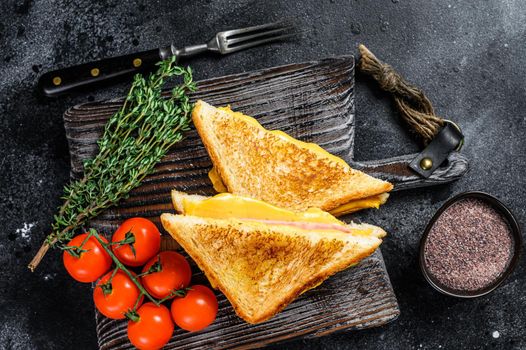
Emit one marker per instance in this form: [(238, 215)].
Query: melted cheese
[(226, 205), (216, 180), (359, 204)]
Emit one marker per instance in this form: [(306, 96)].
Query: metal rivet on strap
[(426, 163)]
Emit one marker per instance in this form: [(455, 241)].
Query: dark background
[(469, 57)]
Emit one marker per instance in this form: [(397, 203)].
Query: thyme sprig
[(134, 140)]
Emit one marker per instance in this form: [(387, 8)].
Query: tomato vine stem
[(123, 268)]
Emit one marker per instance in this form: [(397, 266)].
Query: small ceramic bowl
[(515, 233)]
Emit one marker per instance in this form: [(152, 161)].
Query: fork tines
[(243, 38)]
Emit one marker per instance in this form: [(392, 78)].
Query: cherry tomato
[(121, 296), (153, 329), (175, 274), (147, 241), (91, 264), (197, 310)]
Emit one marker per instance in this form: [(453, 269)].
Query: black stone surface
[(468, 56)]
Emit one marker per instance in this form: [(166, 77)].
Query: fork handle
[(98, 73)]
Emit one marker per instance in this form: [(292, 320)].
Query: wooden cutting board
[(311, 101)]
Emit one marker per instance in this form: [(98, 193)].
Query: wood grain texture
[(311, 101)]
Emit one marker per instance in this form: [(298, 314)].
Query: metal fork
[(237, 39), (110, 70)]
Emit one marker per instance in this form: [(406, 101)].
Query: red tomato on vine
[(85, 259), (152, 328), (197, 310), (140, 241), (173, 273), (115, 298)]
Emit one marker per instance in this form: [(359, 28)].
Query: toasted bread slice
[(276, 168), (261, 268)]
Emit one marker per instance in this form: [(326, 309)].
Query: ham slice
[(307, 225)]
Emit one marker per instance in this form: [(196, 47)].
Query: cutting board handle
[(396, 170)]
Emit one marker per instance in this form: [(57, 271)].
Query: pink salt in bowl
[(470, 246)]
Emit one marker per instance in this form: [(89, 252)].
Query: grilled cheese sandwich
[(276, 168), (261, 256)]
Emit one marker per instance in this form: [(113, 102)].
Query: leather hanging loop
[(439, 135), (449, 139)]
